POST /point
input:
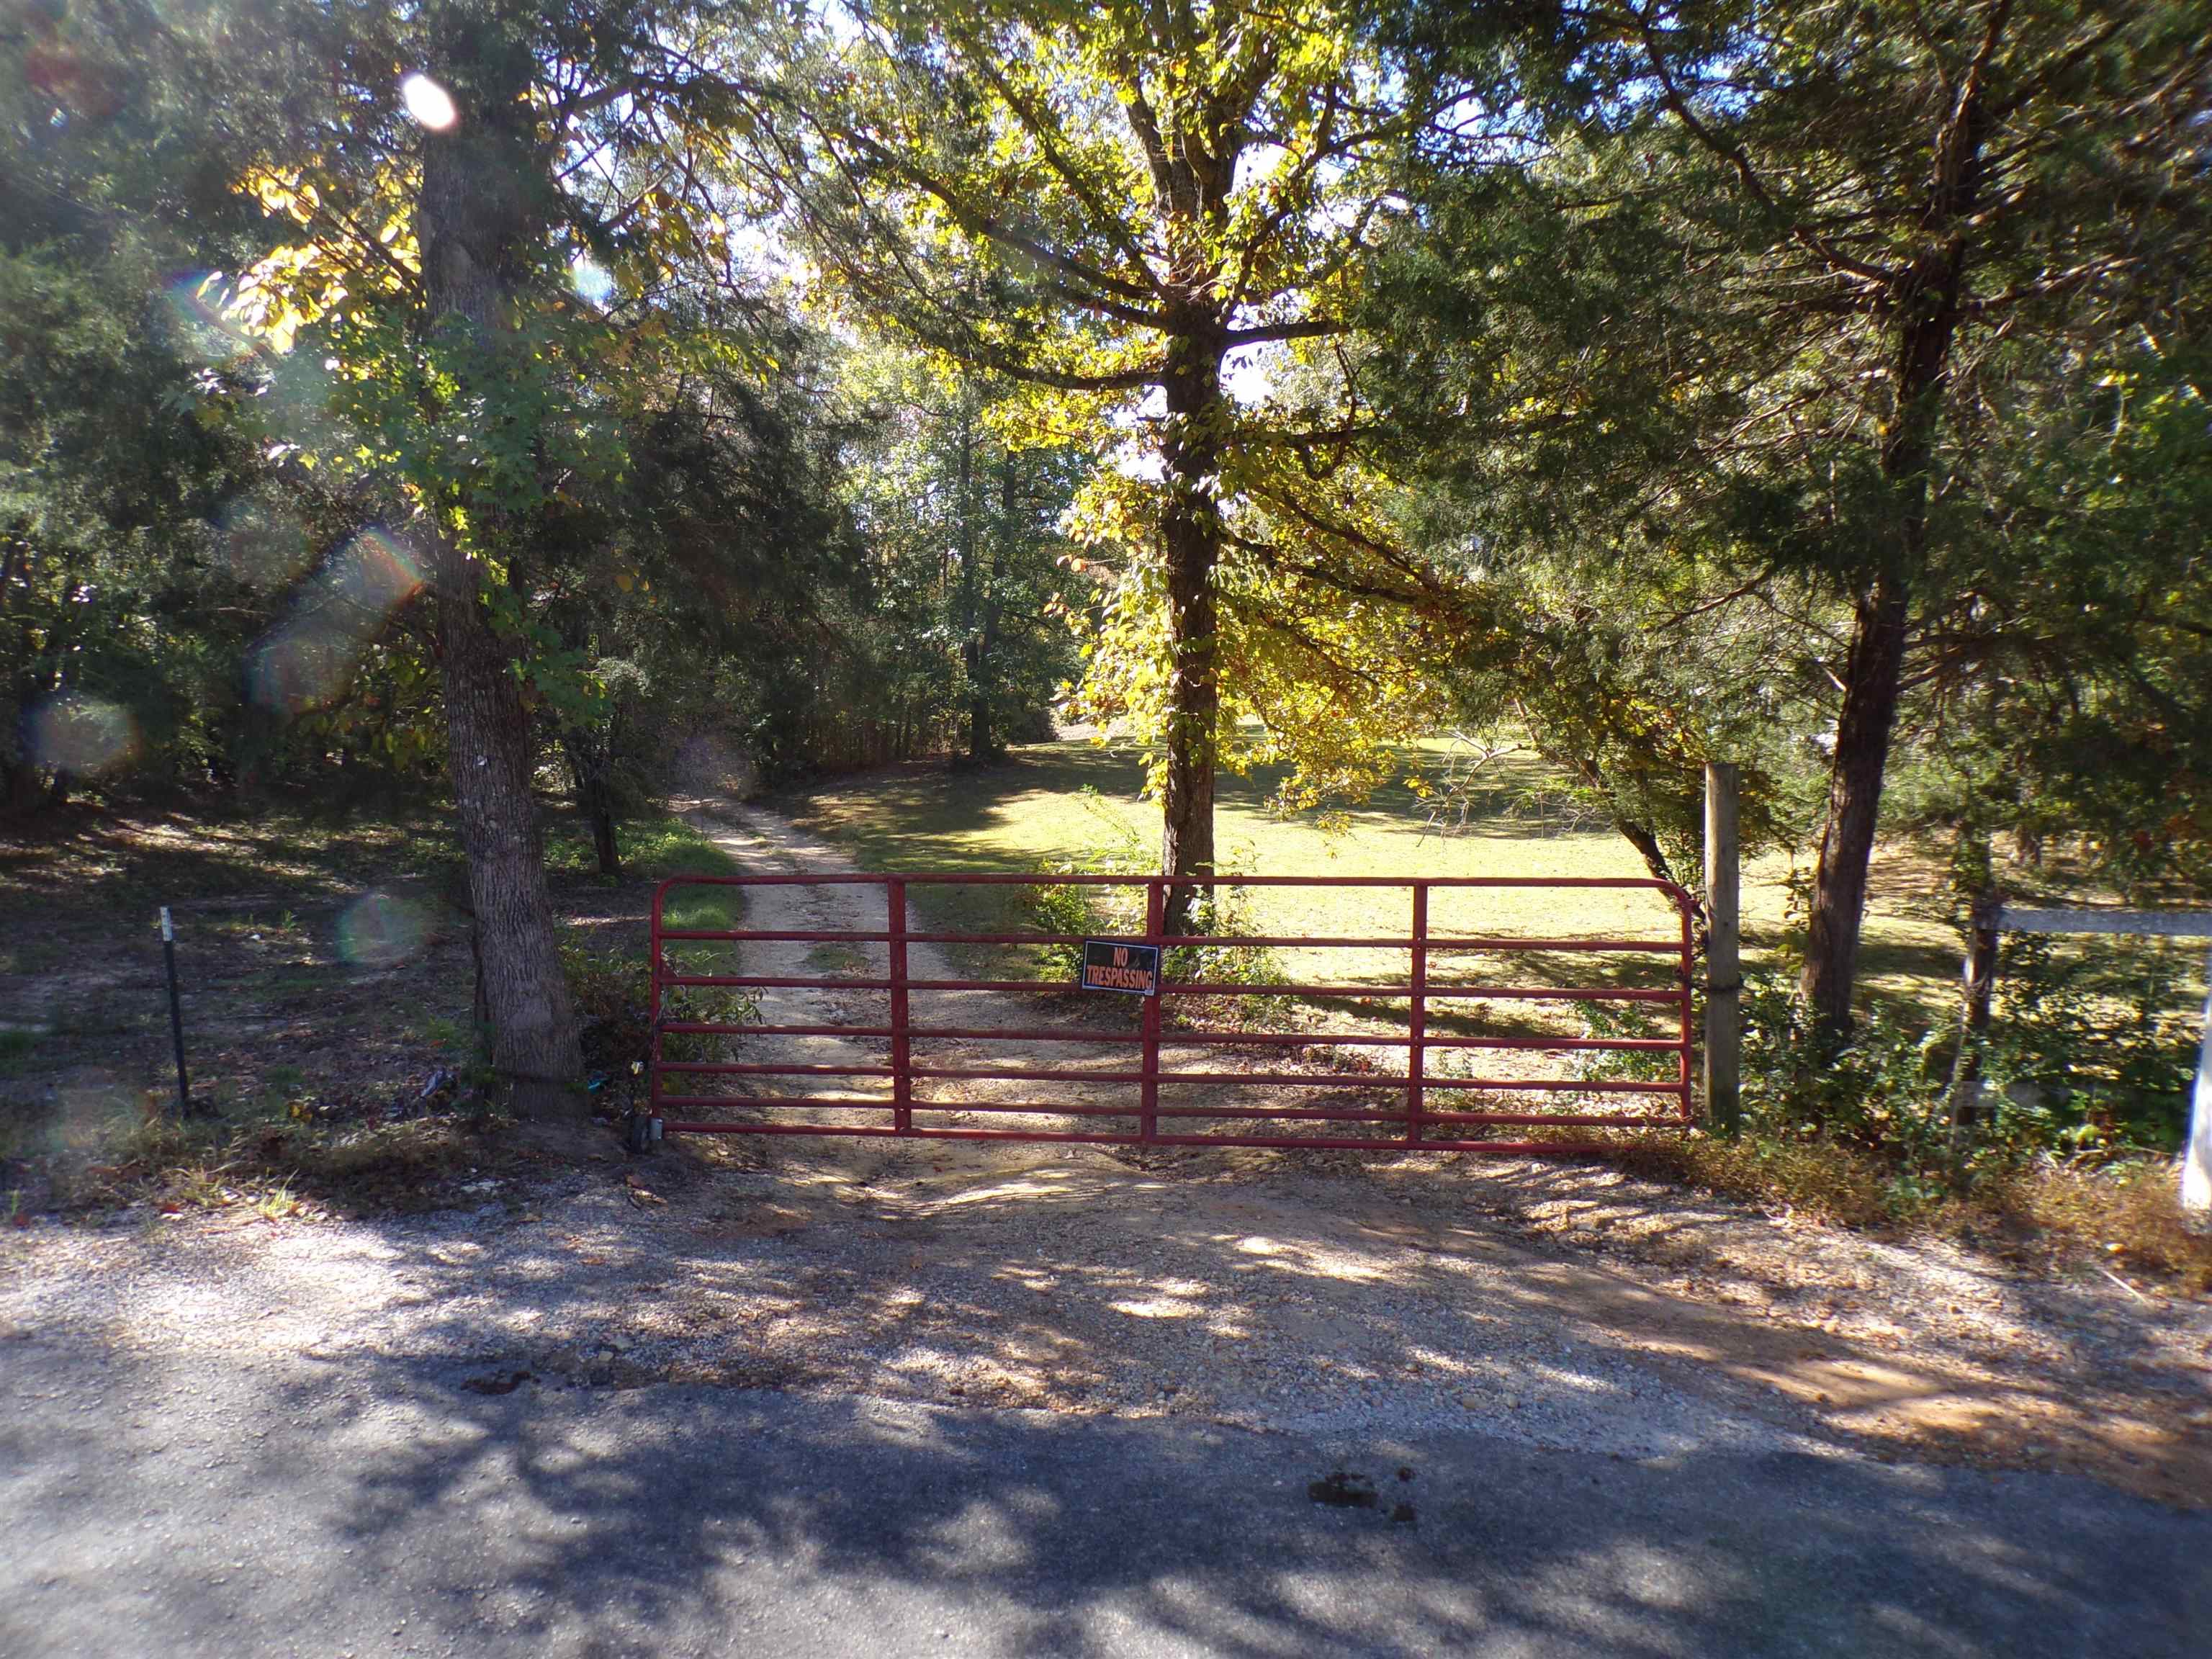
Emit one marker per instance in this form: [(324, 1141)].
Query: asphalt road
[(379, 1506)]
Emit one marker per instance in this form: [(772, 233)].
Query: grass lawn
[(1067, 800), (327, 978), (652, 848)]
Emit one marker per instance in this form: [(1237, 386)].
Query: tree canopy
[(480, 396)]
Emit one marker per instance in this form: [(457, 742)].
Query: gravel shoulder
[(1562, 1308)]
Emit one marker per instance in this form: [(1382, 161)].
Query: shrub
[(612, 991), (2086, 1068), (2090, 1051), (1878, 1089)]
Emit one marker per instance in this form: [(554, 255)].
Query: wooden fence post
[(1724, 953)]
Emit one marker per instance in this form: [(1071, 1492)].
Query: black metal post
[(176, 1012)]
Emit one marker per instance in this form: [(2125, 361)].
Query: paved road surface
[(378, 1506)]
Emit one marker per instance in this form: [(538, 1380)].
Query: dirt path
[(760, 841), (1565, 1306)]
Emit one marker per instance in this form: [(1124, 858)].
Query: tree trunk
[(1926, 304), (982, 740), (1874, 677), (972, 652), (978, 727), (603, 839), (591, 765), (1863, 734), (474, 223), (1964, 1092), (1190, 533)]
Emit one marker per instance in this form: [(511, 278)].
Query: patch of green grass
[(438, 1032), (1069, 802), (16, 1050), (655, 845), (283, 1081), (612, 987), (655, 849), (1074, 804), (667, 846)]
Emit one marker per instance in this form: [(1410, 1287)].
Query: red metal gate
[(1428, 1014)]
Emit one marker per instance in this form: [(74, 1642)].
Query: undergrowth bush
[(2091, 1052), (612, 994), (1877, 1091), (2086, 1070), (1614, 1021), (2088, 1056), (2129, 1212)]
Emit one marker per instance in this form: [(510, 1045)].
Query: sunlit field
[(1052, 804)]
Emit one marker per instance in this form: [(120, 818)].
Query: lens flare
[(308, 659), (589, 280), (382, 930), (295, 397), (93, 1111), (428, 102), (708, 765), (70, 732)]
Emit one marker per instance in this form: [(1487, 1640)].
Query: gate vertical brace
[(1417, 1015), (653, 1054), (1724, 954), (1686, 1069), (1148, 1103), (902, 1055)]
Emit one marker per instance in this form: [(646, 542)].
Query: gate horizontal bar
[(1294, 1113), (1488, 993), (1093, 1108), (1295, 1039), (1046, 1075), (1494, 943), (1289, 1142)]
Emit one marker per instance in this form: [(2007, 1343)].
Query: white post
[(2196, 1161)]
